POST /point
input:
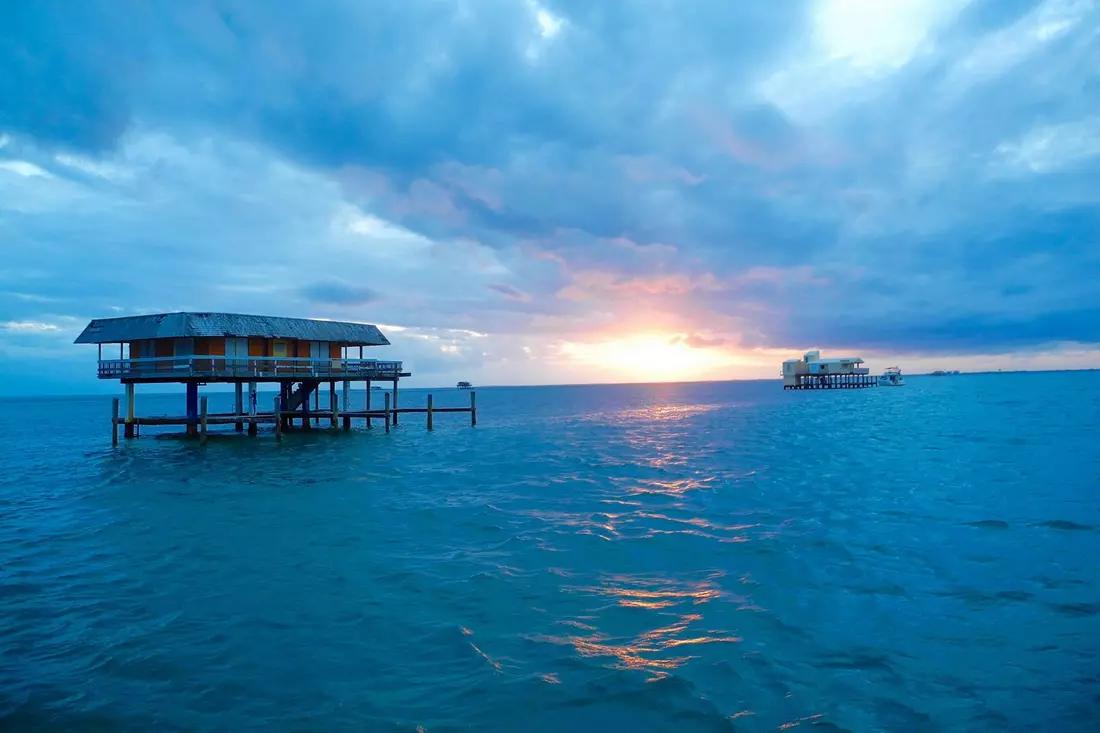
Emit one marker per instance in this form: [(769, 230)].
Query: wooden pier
[(832, 381), (331, 419)]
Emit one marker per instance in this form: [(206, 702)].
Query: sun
[(651, 358)]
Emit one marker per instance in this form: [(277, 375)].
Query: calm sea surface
[(700, 557)]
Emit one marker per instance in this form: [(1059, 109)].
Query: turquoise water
[(699, 557)]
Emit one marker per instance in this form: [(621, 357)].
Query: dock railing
[(259, 367)]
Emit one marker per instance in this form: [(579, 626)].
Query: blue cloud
[(338, 292), (746, 173)]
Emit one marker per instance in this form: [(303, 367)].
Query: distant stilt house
[(813, 372), (298, 354)]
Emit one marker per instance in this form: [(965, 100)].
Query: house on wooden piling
[(298, 354), (814, 372)]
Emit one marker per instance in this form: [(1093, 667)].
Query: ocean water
[(696, 557)]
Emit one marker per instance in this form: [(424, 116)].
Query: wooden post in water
[(114, 421), (395, 400), (278, 418), (131, 388), (368, 398), (332, 406), (473, 409), (347, 404), (202, 421), (387, 412), (430, 416), (238, 402), (252, 408)]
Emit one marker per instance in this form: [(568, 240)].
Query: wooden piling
[(395, 400), (238, 396), (368, 401), (131, 389), (192, 409), (473, 409), (347, 404), (202, 421), (387, 411), (334, 405), (278, 418), (430, 416), (114, 421)]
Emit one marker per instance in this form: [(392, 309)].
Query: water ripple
[(664, 557)]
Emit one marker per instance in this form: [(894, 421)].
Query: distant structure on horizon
[(465, 385), (298, 354), (813, 372)]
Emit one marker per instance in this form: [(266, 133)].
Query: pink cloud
[(657, 249), (805, 149), (698, 341), (422, 197), (591, 283), (782, 276)]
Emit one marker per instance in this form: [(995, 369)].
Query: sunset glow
[(651, 359)]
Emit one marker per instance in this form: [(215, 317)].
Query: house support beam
[(252, 408), (332, 406), (238, 396), (129, 429), (395, 400), (192, 409), (346, 404)]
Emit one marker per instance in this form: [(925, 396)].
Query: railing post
[(202, 420), (473, 408), (387, 411), (430, 426), (114, 421)]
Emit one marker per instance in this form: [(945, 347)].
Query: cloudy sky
[(562, 190)]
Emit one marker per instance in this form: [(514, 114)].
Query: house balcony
[(252, 368)]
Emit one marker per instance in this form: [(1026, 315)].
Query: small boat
[(891, 378)]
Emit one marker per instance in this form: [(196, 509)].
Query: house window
[(236, 348)]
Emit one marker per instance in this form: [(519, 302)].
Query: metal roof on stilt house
[(198, 325)]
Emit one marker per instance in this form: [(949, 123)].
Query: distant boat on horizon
[(891, 378)]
